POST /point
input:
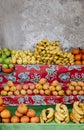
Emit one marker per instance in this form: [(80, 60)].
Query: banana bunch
[(47, 115), (61, 114), (77, 114)]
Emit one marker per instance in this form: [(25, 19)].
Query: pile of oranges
[(22, 114), (78, 56)]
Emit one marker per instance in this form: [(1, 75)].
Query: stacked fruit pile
[(54, 88), (61, 114), (42, 87), (45, 52), (77, 114), (24, 115), (5, 58), (75, 88), (78, 56), (50, 52), (47, 115)]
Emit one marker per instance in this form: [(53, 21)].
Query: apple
[(41, 91), (7, 53), (58, 87), (36, 91), (51, 88), (45, 86), (11, 65), (54, 83), (6, 61), (25, 86), (47, 92), (1, 60), (31, 86), (4, 66), (29, 91), (23, 92), (6, 88), (17, 93), (55, 93), (68, 92), (42, 81), (18, 86)]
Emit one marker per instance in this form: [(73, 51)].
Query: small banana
[(82, 120), (58, 121), (50, 119), (44, 114), (76, 114), (77, 108), (73, 119), (50, 112), (41, 119), (58, 108), (60, 114), (58, 117), (67, 119)]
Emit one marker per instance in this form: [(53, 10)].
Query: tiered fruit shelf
[(32, 74)]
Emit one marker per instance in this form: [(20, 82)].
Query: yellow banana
[(67, 119), (41, 119), (56, 120), (76, 114), (73, 119), (50, 111), (44, 114), (58, 108), (60, 114), (78, 108), (82, 120), (61, 117), (50, 119), (58, 117)]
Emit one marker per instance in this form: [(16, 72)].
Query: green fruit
[(5, 49), (1, 60), (6, 61), (11, 65), (7, 53), (3, 56), (4, 66), (10, 60), (0, 52)]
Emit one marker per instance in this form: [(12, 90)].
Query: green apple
[(7, 53), (3, 56), (1, 60), (6, 61), (11, 65), (4, 66), (5, 49), (0, 52)]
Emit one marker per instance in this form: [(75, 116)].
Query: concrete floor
[(25, 22)]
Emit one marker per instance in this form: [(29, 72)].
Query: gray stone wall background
[(25, 22)]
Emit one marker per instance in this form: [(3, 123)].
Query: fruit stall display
[(36, 85)]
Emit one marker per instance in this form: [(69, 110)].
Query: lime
[(1, 60), (4, 66), (11, 65)]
